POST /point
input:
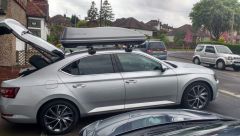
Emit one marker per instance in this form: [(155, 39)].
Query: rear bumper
[(161, 57), (16, 113)]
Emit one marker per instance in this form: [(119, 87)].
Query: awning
[(74, 37)]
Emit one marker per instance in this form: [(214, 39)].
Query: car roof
[(210, 45)]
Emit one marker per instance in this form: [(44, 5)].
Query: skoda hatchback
[(62, 88)]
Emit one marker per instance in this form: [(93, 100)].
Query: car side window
[(134, 62), (199, 48), (210, 49), (98, 64)]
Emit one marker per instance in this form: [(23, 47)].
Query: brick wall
[(8, 73), (8, 70), (8, 42)]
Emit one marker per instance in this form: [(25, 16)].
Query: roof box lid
[(74, 37)]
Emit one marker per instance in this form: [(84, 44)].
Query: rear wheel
[(196, 96), (196, 61), (221, 64), (58, 117)]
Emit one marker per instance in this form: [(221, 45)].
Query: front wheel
[(196, 96), (221, 65), (58, 117)]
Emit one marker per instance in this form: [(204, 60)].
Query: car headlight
[(230, 58)]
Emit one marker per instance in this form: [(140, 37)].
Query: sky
[(172, 12)]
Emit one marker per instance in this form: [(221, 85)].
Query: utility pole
[(232, 27), (101, 13)]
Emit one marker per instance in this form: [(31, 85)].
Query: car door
[(210, 54), (145, 83), (96, 83)]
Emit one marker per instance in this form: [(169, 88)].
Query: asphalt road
[(227, 103)]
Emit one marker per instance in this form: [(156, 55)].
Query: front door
[(96, 84), (210, 54), (146, 85)]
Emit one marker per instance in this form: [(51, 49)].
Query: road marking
[(229, 93)]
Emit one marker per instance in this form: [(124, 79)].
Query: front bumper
[(233, 63)]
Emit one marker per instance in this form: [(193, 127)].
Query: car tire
[(196, 61), (196, 96), (237, 69), (58, 117), (221, 65)]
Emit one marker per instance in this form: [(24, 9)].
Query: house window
[(36, 32), (3, 7), (34, 23)]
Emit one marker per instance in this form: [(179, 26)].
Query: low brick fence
[(7, 73)]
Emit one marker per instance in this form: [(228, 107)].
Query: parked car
[(164, 122), (216, 55), (154, 48), (62, 88)]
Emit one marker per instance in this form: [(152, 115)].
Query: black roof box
[(74, 37)]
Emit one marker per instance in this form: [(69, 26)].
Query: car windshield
[(223, 49), (196, 128)]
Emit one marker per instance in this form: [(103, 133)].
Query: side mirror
[(164, 69), (161, 68)]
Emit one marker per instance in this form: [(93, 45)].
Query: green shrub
[(235, 48)]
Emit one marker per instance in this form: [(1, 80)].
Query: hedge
[(235, 48)]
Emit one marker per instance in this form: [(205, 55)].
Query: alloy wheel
[(58, 118), (197, 97)]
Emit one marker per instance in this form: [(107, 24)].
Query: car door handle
[(79, 86), (131, 81)]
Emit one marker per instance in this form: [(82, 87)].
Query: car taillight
[(9, 92), (149, 51), (165, 50)]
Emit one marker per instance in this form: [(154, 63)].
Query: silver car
[(216, 55), (61, 89)]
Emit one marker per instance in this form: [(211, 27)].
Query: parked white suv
[(216, 55)]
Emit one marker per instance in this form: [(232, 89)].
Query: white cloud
[(172, 12)]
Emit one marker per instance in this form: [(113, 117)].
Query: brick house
[(38, 16), (15, 9), (134, 24)]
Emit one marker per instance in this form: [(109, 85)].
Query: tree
[(217, 16), (74, 20), (179, 38), (106, 13), (82, 24), (92, 12)]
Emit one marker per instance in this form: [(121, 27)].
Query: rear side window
[(210, 49), (199, 48), (156, 45), (99, 64)]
